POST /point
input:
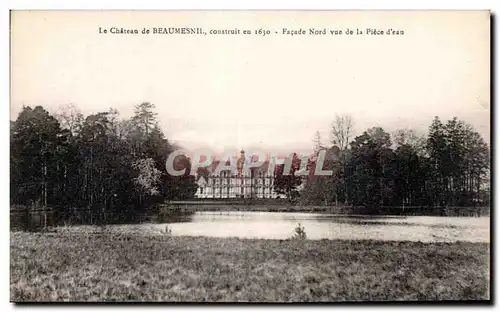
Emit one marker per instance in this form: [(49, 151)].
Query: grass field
[(80, 267)]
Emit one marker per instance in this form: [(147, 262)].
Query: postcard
[(250, 156)]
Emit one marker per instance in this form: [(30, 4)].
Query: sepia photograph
[(250, 156)]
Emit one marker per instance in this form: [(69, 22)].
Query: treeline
[(104, 163), (100, 162), (449, 167)]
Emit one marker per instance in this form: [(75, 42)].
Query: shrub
[(300, 232), (168, 231)]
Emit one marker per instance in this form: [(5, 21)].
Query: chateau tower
[(240, 163)]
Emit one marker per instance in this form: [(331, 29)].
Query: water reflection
[(269, 225), (280, 225)]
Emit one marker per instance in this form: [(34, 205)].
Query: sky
[(251, 91)]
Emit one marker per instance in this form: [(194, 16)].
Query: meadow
[(68, 266)]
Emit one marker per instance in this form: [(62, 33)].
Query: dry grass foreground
[(78, 267)]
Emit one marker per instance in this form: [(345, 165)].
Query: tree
[(368, 169), (410, 138), (477, 166), (70, 118), (342, 131), (147, 178), (287, 183), (409, 172), (322, 188), (144, 118), (149, 141), (437, 150), (184, 186), (317, 142), (458, 163), (35, 137)]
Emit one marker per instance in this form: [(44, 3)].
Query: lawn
[(81, 267)]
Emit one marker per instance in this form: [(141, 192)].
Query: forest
[(448, 167), (106, 163), (99, 162)]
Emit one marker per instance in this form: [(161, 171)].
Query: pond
[(279, 225)]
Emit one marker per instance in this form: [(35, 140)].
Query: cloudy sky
[(270, 92)]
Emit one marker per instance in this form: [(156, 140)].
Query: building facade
[(255, 183)]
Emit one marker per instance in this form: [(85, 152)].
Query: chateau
[(252, 183)]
